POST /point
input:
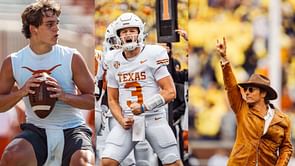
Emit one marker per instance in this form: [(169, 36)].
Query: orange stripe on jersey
[(166, 59), (163, 61)]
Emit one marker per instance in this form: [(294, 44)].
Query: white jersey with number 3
[(136, 79)]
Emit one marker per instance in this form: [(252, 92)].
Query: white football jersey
[(136, 79)]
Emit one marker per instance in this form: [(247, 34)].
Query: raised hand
[(221, 47)]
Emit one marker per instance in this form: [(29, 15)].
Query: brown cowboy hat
[(260, 81)]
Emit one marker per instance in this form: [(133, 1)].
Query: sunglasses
[(250, 89)]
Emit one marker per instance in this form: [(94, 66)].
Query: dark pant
[(78, 138)]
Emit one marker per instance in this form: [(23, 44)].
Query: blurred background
[(76, 30), (260, 38)]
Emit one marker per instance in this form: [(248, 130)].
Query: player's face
[(129, 35), (47, 32)]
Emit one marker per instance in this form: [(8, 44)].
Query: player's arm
[(166, 95), (113, 100), (8, 98), (113, 96), (84, 82), (164, 81), (158, 65), (168, 91)]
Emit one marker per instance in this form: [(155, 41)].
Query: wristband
[(154, 102)]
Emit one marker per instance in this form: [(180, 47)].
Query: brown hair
[(34, 13)]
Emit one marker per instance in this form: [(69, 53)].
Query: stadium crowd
[(246, 26)]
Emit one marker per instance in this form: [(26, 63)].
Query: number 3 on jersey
[(137, 92)]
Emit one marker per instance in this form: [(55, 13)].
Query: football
[(41, 102)]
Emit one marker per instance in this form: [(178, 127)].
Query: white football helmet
[(128, 20), (110, 39)]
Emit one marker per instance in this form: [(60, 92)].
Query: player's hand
[(221, 47), (32, 82), (136, 108), (127, 122), (55, 88)]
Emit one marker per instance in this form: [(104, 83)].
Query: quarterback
[(61, 138), (139, 85)]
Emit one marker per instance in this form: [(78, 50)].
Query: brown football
[(41, 102)]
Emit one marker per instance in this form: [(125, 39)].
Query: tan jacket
[(251, 146)]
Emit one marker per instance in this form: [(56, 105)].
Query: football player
[(104, 119), (61, 138), (139, 85)]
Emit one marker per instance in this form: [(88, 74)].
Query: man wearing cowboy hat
[(263, 135)]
